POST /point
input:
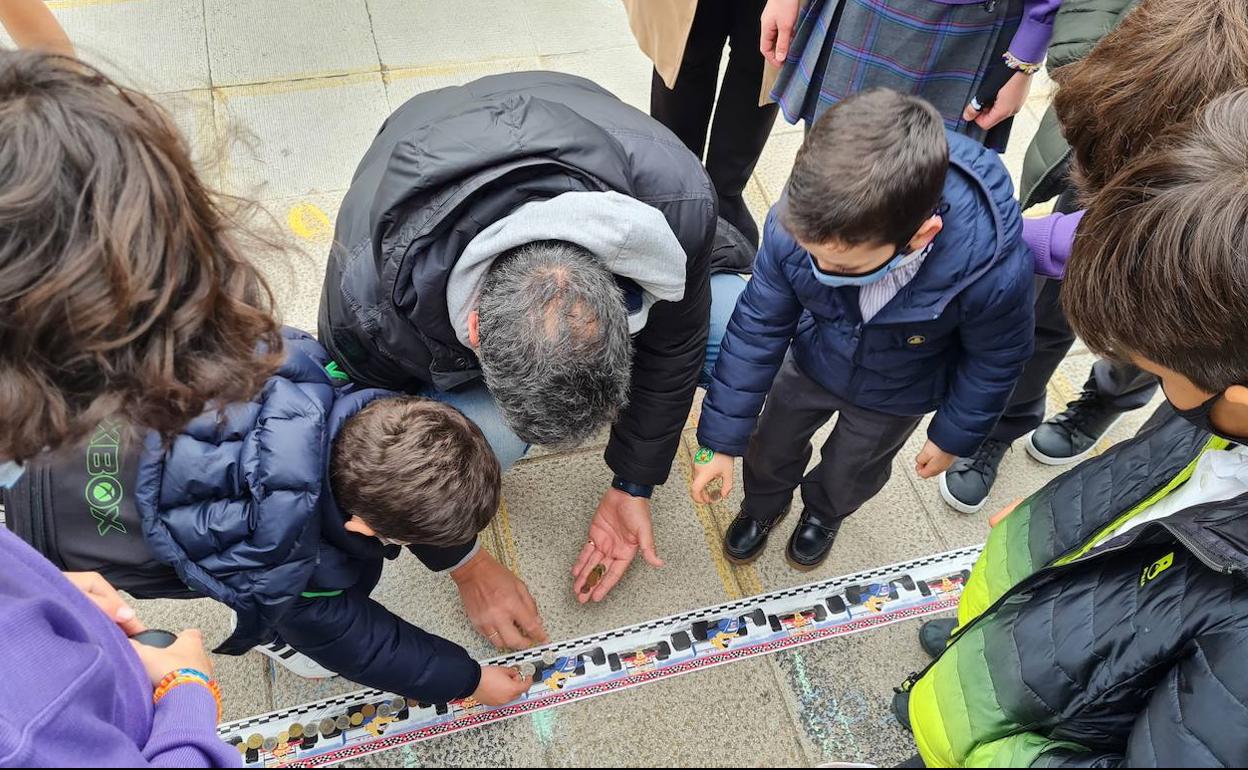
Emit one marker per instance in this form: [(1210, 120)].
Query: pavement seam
[(381, 66)]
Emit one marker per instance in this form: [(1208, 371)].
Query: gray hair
[(554, 343)]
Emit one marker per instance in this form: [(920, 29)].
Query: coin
[(295, 731), (255, 741), (357, 719), (384, 710), (527, 670), (327, 726), (595, 577), (343, 722), (368, 710), (397, 704), (549, 659)]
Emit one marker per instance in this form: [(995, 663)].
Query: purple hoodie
[(1051, 240), (1031, 41), (72, 691)]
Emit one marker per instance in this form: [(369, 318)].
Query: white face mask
[(10, 472)]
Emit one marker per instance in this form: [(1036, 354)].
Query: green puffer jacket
[(1077, 652), (1079, 26)]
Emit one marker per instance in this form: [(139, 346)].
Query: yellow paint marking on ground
[(314, 81), (505, 543), (309, 222), (737, 581)]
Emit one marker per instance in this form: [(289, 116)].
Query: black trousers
[(741, 127), (856, 461), (1120, 386)]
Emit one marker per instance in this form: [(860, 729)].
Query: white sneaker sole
[(293, 661), (955, 503), (1041, 457)]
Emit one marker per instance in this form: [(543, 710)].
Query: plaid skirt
[(921, 47)]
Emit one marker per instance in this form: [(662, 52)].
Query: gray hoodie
[(632, 239)]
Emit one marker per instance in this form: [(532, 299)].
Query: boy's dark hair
[(871, 170), (124, 290), (416, 471), (1161, 66), (1160, 264)]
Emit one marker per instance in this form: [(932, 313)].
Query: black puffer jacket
[(1083, 650), (451, 162)]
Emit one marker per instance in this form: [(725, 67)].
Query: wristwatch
[(629, 488)]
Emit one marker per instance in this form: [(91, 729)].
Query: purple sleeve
[(1031, 41), (1051, 239), (184, 732)]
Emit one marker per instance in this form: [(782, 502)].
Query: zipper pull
[(909, 684), (990, 6)]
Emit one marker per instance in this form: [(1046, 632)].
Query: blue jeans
[(478, 405)]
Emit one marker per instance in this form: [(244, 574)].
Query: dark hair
[(416, 471), (1162, 64), (123, 289), (871, 170), (555, 349), (1160, 264)]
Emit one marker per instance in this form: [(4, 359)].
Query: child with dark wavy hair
[(123, 292), (123, 287)]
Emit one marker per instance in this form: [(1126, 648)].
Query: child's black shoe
[(747, 536), (811, 541)]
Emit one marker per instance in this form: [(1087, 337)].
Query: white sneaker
[(294, 661)]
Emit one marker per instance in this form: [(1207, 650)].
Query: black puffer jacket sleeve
[(363, 641), (1197, 715), (668, 357)]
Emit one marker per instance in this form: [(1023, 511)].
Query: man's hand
[(932, 461), (97, 589), (719, 466), (498, 603), (500, 685), (779, 22), (620, 527), (1009, 102)]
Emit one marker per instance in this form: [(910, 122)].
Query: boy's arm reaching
[(997, 335), (753, 348), (363, 641)]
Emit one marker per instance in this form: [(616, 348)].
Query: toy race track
[(353, 725)]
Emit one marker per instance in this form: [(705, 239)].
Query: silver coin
[(384, 710), (270, 743), (343, 722), (549, 658), (528, 670)]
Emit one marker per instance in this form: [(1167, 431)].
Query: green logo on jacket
[(1158, 567), (104, 491)]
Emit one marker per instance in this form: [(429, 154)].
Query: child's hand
[(500, 685), (708, 466), (98, 590), (932, 461), (187, 652)]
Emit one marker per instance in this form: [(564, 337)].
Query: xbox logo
[(104, 492)]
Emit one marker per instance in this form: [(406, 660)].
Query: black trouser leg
[(1120, 385), (1054, 337), (741, 126), (856, 460), (686, 109), (780, 449)]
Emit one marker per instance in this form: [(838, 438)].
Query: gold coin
[(595, 576), (368, 710), (242, 747), (283, 737), (255, 741), (295, 731), (357, 719)]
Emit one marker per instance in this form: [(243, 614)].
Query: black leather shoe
[(1072, 435), (811, 541), (746, 537)]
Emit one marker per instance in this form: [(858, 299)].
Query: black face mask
[(1201, 417)]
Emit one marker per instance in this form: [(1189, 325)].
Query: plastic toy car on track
[(644, 659), (875, 595), (719, 633), (798, 622), (946, 585)]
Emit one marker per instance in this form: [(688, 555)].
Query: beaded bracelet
[(1015, 63), (183, 676)]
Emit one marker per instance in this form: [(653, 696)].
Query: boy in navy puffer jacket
[(893, 274)]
